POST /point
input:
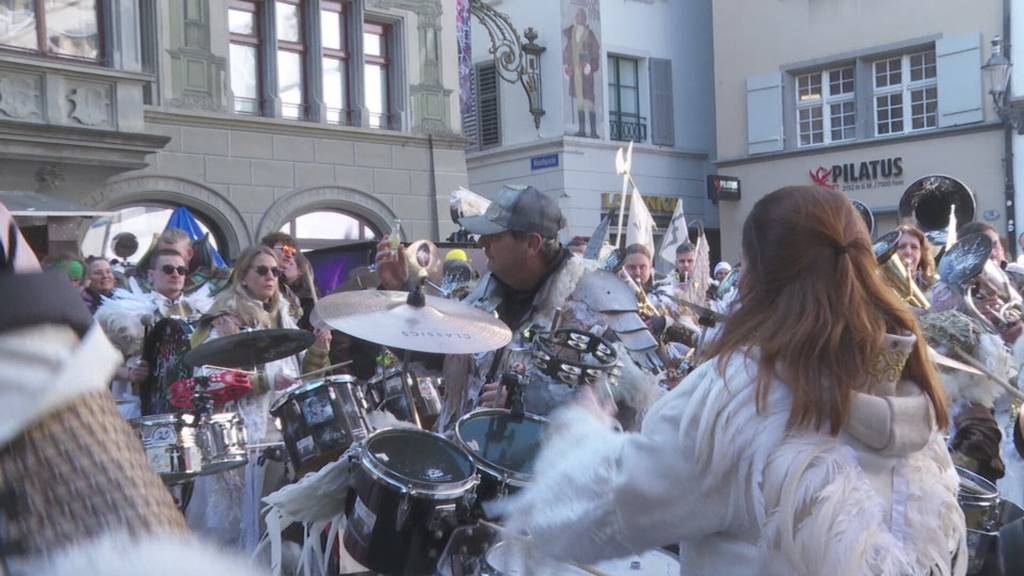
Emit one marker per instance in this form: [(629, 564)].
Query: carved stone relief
[(49, 178), (21, 96), (91, 104)]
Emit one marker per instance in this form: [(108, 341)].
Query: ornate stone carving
[(20, 96), (49, 178), (90, 104)]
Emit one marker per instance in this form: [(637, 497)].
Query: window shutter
[(958, 75), (488, 106), (764, 113), (469, 113), (663, 127)]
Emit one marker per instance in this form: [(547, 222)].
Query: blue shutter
[(662, 115), (958, 75), (764, 113)]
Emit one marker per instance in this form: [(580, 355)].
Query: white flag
[(640, 229), (676, 234)]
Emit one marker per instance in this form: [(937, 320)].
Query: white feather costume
[(741, 494)]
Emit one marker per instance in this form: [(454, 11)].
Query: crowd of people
[(783, 415)]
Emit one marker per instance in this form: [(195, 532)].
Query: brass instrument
[(645, 308), (968, 269), (929, 201), (896, 273), (866, 215)]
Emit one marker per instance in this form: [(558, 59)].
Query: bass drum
[(503, 448), (411, 488), (169, 441), (320, 420)]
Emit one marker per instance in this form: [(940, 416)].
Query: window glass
[(289, 83), (245, 78), (18, 24), (241, 22), (289, 22), (330, 29), (72, 28)]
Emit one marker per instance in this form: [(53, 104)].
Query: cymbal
[(440, 326), (248, 349)]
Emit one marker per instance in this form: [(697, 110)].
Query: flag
[(698, 287), (676, 234), (182, 219), (640, 229), (593, 249)]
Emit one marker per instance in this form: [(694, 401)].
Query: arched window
[(144, 221), (328, 228)]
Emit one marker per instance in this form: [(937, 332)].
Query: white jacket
[(741, 494)]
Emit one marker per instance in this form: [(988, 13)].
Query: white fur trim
[(130, 555)]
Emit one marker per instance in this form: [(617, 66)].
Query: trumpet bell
[(897, 276), (965, 261)]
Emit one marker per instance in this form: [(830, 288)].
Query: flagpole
[(623, 166)]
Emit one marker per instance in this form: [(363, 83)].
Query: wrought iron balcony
[(627, 127)]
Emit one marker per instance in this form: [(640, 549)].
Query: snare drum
[(386, 392), (650, 563), (508, 559), (222, 441), (320, 420), (503, 448), (169, 441), (410, 489)]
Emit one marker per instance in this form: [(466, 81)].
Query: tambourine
[(595, 357)]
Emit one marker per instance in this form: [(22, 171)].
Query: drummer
[(530, 276), (226, 506)]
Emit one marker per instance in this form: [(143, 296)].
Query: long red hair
[(813, 304)]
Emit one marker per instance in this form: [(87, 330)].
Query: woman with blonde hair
[(914, 251), (226, 506), (808, 443)]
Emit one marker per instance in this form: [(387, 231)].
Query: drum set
[(995, 527)]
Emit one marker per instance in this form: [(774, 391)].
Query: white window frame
[(823, 104), (906, 89)]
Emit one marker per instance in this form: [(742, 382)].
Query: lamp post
[(997, 72), (516, 62)]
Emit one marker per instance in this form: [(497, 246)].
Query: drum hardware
[(514, 384)]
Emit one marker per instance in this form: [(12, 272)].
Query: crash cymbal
[(248, 349), (440, 326)]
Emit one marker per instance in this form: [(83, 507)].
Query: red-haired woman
[(914, 251), (808, 443)]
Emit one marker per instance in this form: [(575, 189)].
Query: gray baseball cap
[(522, 208)]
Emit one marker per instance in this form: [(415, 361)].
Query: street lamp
[(997, 72), (531, 75)]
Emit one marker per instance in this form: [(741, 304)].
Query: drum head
[(420, 457), (503, 441), (511, 560), (650, 563)]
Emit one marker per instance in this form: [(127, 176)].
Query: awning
[(36, 204)]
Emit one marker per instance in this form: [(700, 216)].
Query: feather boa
[(127, 314), (962, 387)]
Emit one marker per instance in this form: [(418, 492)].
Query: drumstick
[(327, 369), (974, 363)]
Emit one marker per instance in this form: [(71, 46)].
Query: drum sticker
[(160, 460), (362, 521), (436, 475), (331, 437), (162, 436), (306, 447), (317, 410)]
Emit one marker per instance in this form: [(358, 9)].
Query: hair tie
[(840, 249)]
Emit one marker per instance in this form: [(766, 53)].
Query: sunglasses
[(263, 271), (168, 269), (290, 250)]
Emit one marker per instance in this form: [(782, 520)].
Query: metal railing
[(627, 127)]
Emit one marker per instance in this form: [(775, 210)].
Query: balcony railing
[(628, 127)]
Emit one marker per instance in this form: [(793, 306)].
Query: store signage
[(723, 187), (656, 204), (543, 162), (862, 175)]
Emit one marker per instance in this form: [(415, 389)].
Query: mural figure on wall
[(581, 57)]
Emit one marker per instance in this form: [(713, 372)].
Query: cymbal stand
[(408, 379)]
